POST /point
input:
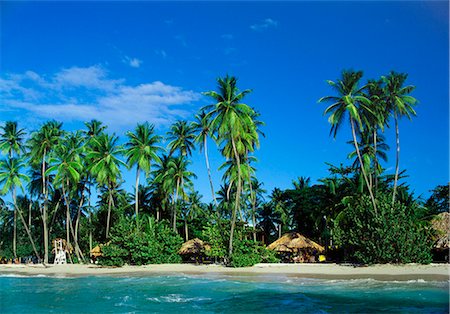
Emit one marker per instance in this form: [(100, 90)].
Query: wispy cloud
[(161, 52), (265, 24), (82, 94), (227, 36), (132, 62), (181, 40)]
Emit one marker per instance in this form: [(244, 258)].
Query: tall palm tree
[(202, 127), (66, 162), (105, 166), (178, 173), (231, 121), (141, 150), (94, 128), (11, 177), (399, 104), (12, 141), (350, 101), (41, 143), (181, 137)]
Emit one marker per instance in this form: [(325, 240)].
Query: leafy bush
[(394, 234), (248, 253), (152, 243)]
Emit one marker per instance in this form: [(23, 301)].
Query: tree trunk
[(362, 165), (397, 161), (29, 213), (45, 209), (174, 227), (209, 172), (15, 231), (238, 191), (109, 212), (375, 160), (186, 231), (279, 231), (253, 200), (136, 196), (90, 216), (25, 226)]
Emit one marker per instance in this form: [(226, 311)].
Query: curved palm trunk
[(253, 200), (397, 161), (362, 165), (236, 204), (136, 195), (30, 237), (209, 171)]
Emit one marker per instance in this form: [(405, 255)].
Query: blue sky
[(127, 62)]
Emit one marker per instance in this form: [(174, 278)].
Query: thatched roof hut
[(294, 242), (96, 251), (194, 247), (441, 223)]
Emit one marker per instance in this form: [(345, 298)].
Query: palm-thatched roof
[(96, 251), (194, 246), (294, 242), (441, 223)]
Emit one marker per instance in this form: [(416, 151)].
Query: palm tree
[(177, 173), (12, 139), (11, 177), (232, 121), (66, 162), (399, 103), (203, 129), (94, 129), (41, 143), (181, 137), (350, 101), (105, 166), (141, 151)]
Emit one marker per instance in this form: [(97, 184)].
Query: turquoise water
[(215, 294)]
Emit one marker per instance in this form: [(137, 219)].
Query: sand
[(323, 271)]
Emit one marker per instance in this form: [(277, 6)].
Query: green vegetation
[(71, 187)]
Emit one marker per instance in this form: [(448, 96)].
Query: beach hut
[(294, 247), (194, 250), (441, 224)]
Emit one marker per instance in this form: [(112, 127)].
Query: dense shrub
[(248, 253), (152, 243), (394, 234)]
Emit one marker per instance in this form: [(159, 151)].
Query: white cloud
[(82, 94), (132, 62), (265, 24)]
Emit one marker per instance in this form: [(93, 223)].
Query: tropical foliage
[(61, 184)]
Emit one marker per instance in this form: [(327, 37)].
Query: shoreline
[(385, 272)]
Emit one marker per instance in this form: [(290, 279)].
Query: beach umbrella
[(194, 246), (294, 242), (441, 223)]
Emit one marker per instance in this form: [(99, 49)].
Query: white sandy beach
[(325, 271)]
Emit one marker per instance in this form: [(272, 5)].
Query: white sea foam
[(176, 298)]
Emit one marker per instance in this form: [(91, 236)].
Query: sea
[(218, 294)]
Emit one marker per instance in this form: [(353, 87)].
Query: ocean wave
[(176, 298)]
